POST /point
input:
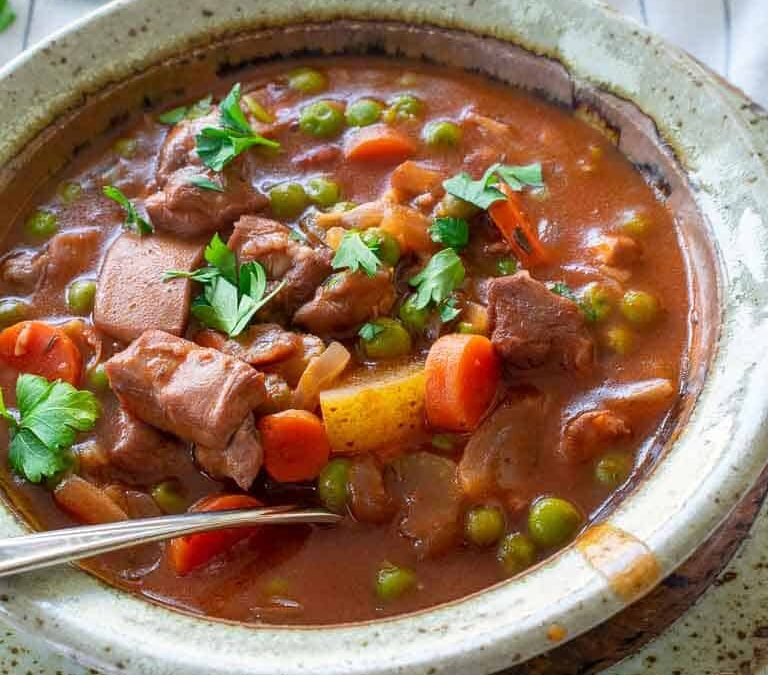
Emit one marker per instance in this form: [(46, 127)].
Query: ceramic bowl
[(698, 141)]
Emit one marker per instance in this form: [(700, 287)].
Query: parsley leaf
[(561, 288), (451, 232), (205, 184), (518, 177), (7, 15), (231, 295), (482, 193), (218, 146), (192, 112), (354, 254), (368, 331), (133, 221), (50, 415), (448, 310), (435, 283)]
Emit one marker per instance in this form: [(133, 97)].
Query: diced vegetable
[(81, 295), (307, 80), (639, 307), (87, 503), (41, 349), (410, 227), (413, 178), (193, 551), (454, 207), (295, 444), (321, 372), (462, 375), (322, 119), (484, 525), (378, 144), (374, 409), (512, 222), (288, 200), (12, 311), (403, 107), (385, 339), (553, 521), (475, 318), (386, 245), (613, 468), (363, 112), (597, 301), (126, 147), (393, 581), (415, 318), (516, 553), (620, 340), (96, 378), (333, 485), (323, 192), (169, 497), (442, 134), (41, 224)]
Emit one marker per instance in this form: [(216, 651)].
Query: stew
[(449, 310)]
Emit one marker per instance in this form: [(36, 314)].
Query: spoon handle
[(43, 549)]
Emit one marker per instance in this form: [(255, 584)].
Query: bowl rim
[(724, 442)]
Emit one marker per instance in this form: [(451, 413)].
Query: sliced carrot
[(462, 375), (379, 143), (41, 349), (194, 550), (296, 445), (509, 217)]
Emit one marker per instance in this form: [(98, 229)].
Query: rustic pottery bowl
[(699, 143)]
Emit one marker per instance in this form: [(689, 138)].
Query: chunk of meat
[(241, 460), (302, 268), (413, 179), (260, 345), (279, 396), (503, 454), (22, 268), (293, 368), (427, 489), (135, 503), (71, 253), (131, 296), (532, 326), (347, 300), (618, 251), (185, 210), (86, 502), (589, 433), (199, 394), (314, 157), (369, 500)]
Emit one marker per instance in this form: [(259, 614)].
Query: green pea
[(392, 581), (506, 266), (468, 328), (322, 119), (639, 307), (97, 379), (442, 134), (620, 340), (391, 341), (414, 318), (484, 525), (69, 193), (363, 112), (307, 80), (323, 192), (42, 224), (126, 147), (598, 301), (341, 207), (454, 207), (168, 496), (403, 107), (386, 246), (553, 521), (516, 553), (444, 442), (333, 485), (80, 296), (12, 311), (288, 200), (613, 468)]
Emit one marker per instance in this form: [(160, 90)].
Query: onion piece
[(320, 373)]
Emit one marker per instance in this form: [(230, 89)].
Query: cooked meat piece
[(260, 345), (302, 268), (427, 490), (87, 503), (136, 504), (131, 296), (189, 211), (413, 178), (503, 454), (369, 500), (71, 253), (293, 368), (589, 433), (618, 251), (347, 300), (22, 268), (241, 460), (278, 397), (532, 326), (198, 394), (320, 156)]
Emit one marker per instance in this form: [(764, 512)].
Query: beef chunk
[(21, 269), (532, 326), (347, 300), (261, 345), (590, 433), (71, 253), (293, 368), (369, 499), (196, 393), (301, 267), (241, 460), (188, 211), (132, 297)]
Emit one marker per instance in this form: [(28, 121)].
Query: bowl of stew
[(487, 280)]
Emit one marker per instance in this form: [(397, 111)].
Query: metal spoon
[(43, 549)]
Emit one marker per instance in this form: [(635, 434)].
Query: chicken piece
[(241, 460)]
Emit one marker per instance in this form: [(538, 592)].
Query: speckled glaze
[(716, 455)]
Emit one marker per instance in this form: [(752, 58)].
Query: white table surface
[(726, 632)]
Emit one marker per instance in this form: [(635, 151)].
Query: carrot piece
[(462, 375), (41, 349), (194, 550), (509, 217), (295, 444), (379, 143)]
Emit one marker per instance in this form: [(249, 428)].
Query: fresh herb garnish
[(448, 310), (218, 146), (192, 112), (354, 254), (562, 289), (368, 331), (451, 232), (133, 221), (7, 15), (443, 274), (232, 293), (50, 415), (205, 184), (482, 193)]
